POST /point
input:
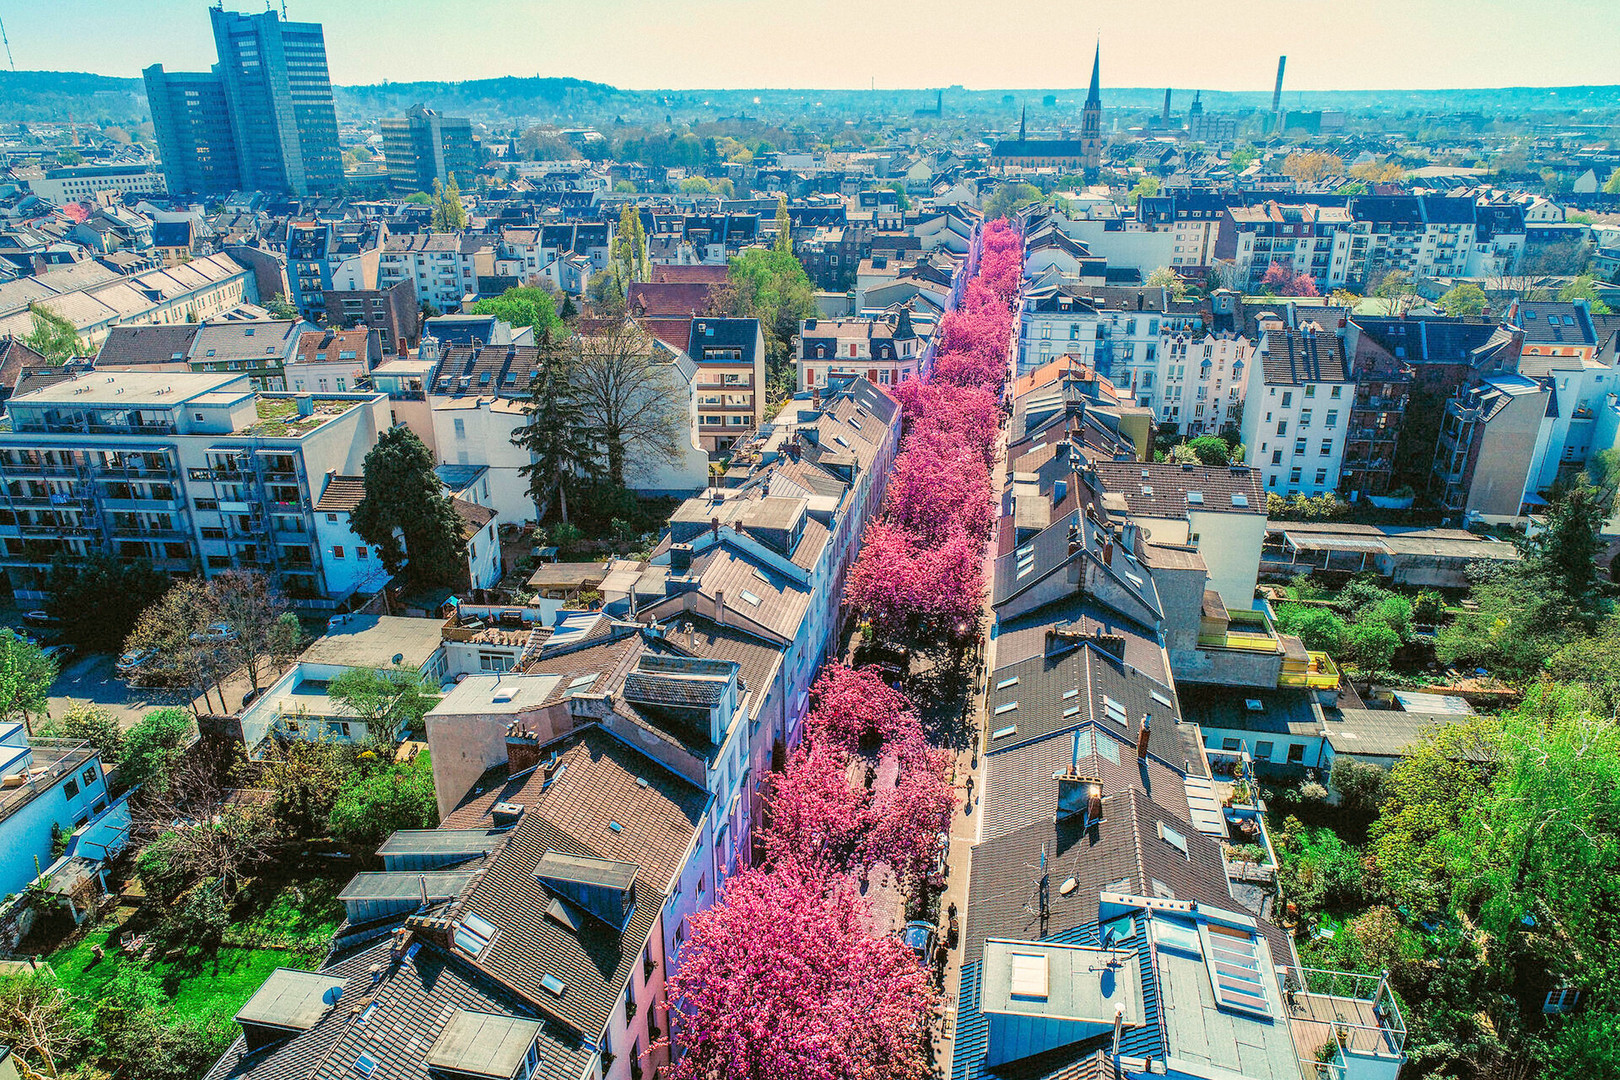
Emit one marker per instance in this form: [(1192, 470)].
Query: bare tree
[(633, 395), (197, 826), (37, 1020), (253, 614), (181, 633)]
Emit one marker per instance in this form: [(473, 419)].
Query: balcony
[(1244, 631), (1344, 1025), (1317, 672)]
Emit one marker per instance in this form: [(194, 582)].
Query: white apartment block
[(1115, 330), (444, 266), (194, 473), (1296, 409), (1319, 241)]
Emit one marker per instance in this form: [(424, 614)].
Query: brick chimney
[(522, 749), (1142, 736)]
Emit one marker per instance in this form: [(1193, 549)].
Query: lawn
[(222, 981)]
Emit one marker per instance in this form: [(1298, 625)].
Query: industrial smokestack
[(1276, 95), (1166, 117)]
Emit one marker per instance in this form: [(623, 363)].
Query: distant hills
[(32, 96)]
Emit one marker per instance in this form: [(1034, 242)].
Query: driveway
[(90, 679)]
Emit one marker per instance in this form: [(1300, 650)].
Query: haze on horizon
[(827, 44)]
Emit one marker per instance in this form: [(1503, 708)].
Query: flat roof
[(395, 884), (440, 842), (134, 389), (483, 1044), (497, 694), (584, 870), (374, 640), (1076, 983), (292, 999)]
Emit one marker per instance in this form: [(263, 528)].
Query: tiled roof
[(342, 494), (146, 344), (1162, 489), (473, 517), (1292, 357)]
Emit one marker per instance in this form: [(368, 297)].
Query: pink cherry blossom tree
[(855, 712), (781, 979), (915, 593), (909, 816), (815, 815)]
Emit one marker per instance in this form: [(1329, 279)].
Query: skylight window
[(1234, 969), (474, 934), (749, 597), (1114, 710), (1029, 976), (1007, 708), (1002, 733), (364, 1065), (1160, 698), (1254, 704), (1071, 692), (583, 680), (1195, 498), (1004, 683), (1239, 499), (554, 986), (1072, 710), (1173, 838), (841, 441)]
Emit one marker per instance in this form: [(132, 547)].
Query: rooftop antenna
[(7, 40)]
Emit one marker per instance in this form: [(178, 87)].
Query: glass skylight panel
[(1004, 683), (749, 597), (1173, 838), (1114, 710), (1160, 698), (1007, 708)]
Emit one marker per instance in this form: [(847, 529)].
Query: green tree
[(26, 675), (97, 598), (629, 248), (305, 774), (385, 698), (606, 293), (523, 305), (770, 286), (1166, 278), (784, 226), (155, 746), (93, 724), (1372, 645), (1360, 786), (1148, 185), (1567, 546), (1463, 298), (53, 337), (696, 185), (624, 187), (558, 435), (1395, 290), (1009, 198), (406, 513), (1584, 288), (1612, 185), (1243, 157), (419, 198), (1211, 450), (69, 156), (902, 200), (37, 1021), (1320, 629), (449, 214), (372, 805), (280, 307)]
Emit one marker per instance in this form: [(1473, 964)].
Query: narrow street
[(969, 789)]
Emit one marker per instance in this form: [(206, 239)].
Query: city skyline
[(624, 43)]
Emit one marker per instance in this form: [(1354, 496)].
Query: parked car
[(41, 619), (214, 634), (920, 936), (62, 654), (131, 662)]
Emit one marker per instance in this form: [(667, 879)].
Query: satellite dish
[(332, 994)]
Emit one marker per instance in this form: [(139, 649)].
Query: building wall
[(25, 835), (478, 431)]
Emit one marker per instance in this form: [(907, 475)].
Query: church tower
[(1091, 120)]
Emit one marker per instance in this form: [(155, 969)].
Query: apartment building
[(1193, 218), (885, 351), (1296, 408), (195, 473), (422, 148), (730, 359), (326, 256), (1203, 354), (1325, 242), (96, 299), (333, 360), (445, 267), (1421, 235), (1115, 330)]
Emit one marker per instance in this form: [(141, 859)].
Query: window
[(1229, 744), (1299, 446), (1327, 447), (1262, 750), (362, 552), (700, 885), (461, 428), (71, 790), (329, 517), (1296, 753), (207, 504), (1293, 475), (1305, 418), (1282, 427), (337, 551), (1310, 391), (1288, 398), (89, 776), (1334, 394), (1321, 477), (1276, 457)]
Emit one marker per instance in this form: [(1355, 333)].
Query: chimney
[(421, 883), (680, 558), (522, 749), (1074, 540), (306, 404), (720, 606), (1094, 808), (1119, 1026), (714, 527), (1108, 553), (1142, 736)]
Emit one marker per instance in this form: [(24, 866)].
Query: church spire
[(1022, 116), (1095, 97)]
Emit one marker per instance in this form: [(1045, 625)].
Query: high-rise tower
[(1091, 120)]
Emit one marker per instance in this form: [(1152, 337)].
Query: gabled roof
[(341, 494), (1294, 357)]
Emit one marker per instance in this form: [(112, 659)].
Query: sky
[(988, 44)]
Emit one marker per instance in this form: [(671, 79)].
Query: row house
[(96, 299), (1296, 408), (886, 351), (1193, 218), (445, 267), (730, 359), (1203, 353), (259, 348), (323, 256), (1115, 330), (194, 473)]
